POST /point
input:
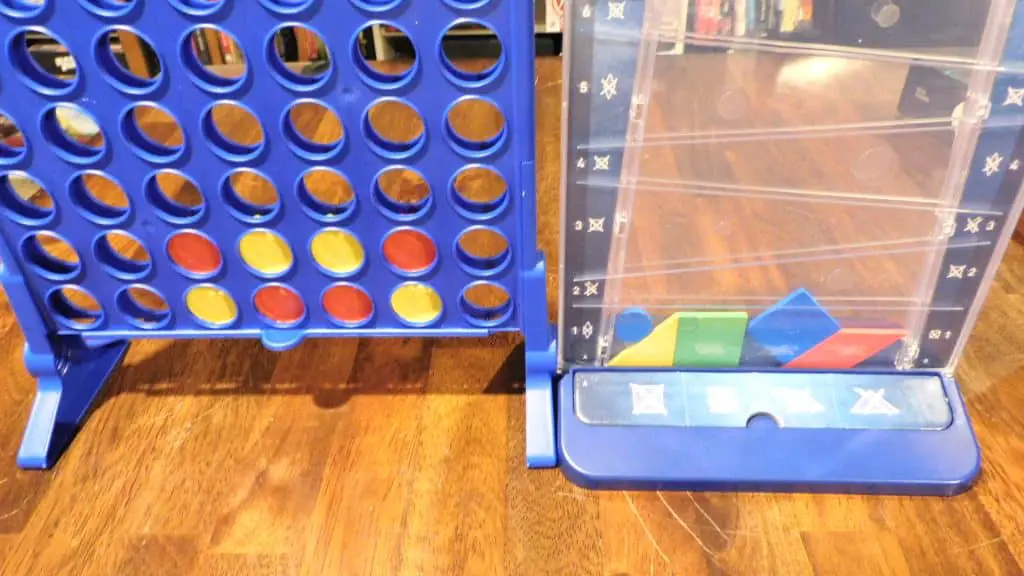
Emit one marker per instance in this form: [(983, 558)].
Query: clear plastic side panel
[(792, 183)]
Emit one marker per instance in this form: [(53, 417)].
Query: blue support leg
[(68, 385), (541, 451)]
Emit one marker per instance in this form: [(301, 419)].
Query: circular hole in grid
[(465, 60), (194, 254), (483, 250), (287, 6), (175, 197), (51, 256), (211, 306), (378, 5), (214, 59), (43, 61), (75, 307), (299, 57), (466, 4), (266, 253), (394, 128), (402, 192), (326, 194), (12, 141), (143, 306), (250, 195), (409, 252), (198, 7), (279, 305), (475, 126), (109, 8), (129, 60), (74, 133), (479, 192), (22, 8), (122, 255), (337, 252), (485, 304), (416, 304), (153, 133), (347, 305), (233, 131), (25, 200), (99, 198), (313, 130), (385, 71)]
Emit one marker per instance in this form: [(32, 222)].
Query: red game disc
[(410, 251), (194, 253), (348, 304), (279, 304)]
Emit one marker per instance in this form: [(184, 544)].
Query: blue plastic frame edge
[(539, 335), (71, 369), (909, 462)]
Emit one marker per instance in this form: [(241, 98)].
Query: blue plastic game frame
[(71, 365), (650, 452)]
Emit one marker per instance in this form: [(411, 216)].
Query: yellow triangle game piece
[(656, 350)]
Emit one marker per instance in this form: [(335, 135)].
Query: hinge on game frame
[(604, 347), (621, 219), (907, 358), (948, 225)]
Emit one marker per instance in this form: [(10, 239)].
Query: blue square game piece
[(792, 327)]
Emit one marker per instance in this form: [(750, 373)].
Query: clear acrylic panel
[(790, 182)]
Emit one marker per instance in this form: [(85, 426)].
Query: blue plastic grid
[(58, 351)]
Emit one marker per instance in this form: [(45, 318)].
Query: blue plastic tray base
[(914, 454)]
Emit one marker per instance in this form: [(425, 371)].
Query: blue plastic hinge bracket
[(541, 451), (69, 375)]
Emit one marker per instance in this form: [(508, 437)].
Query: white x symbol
[(616, 10), (590, 288), (974, 225), (609, 86), (993, 164), (602, 162), (956, 271), (1014, 97)]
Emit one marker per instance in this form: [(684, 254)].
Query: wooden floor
[(406, 457)]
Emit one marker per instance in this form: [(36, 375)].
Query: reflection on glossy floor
[(406, 457)]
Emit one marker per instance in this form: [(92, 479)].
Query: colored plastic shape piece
[(709, 339), (792, 327), (633, 325), (658, 350), (689, 339), (848, 348)]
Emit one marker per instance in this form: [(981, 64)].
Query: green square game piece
[(709, 339)]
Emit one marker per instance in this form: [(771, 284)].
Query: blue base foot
[(63, 399), (540, 422)]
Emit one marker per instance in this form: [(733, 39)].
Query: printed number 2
[(576, 291)]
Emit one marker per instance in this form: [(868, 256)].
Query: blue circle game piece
[(633, 325)]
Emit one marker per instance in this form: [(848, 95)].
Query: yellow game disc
[(211, 305), (265, 252), (337, 251), (416, 303)]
